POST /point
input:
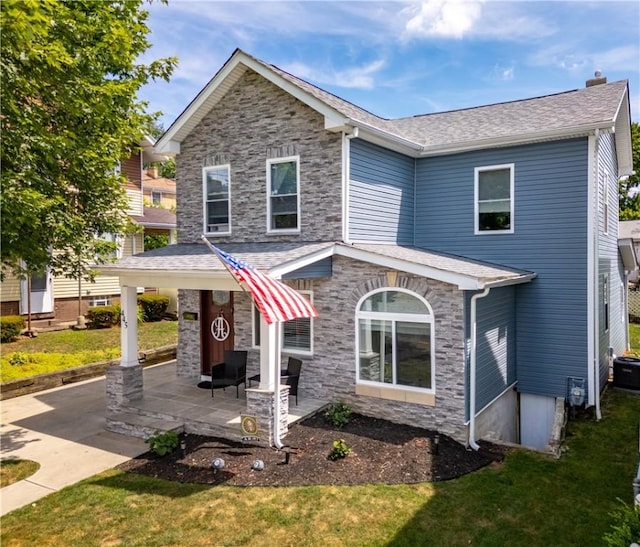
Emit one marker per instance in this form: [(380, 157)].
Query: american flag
[(276, 301)]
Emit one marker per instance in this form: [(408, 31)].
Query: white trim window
[(493, 199), (216, 188), (156, 198), (118, 242), (98, 301), (283, 195), (395, 340), (297, 334)]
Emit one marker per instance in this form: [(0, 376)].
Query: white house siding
[(135, 202), (10, 289)]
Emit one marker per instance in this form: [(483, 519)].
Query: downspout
[(276, 390), (346, 174), (472, 368)]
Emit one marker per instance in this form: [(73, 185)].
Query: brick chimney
[(152, 172), (597, 80)]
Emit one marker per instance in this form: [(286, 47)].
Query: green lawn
[(530, 499), (634, 338), (59, 350)]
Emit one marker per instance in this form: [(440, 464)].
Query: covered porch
[(171, 403)]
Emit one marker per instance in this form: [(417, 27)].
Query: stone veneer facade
[(330, 373), (256, 121)]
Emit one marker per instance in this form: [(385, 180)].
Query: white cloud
[(443, 18), (360, 77)]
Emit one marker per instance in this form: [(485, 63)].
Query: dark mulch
[(381, 452)]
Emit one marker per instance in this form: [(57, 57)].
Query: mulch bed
[(381, 452)]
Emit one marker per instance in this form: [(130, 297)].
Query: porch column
[(269, 355), (129, 326), (261, 402), (124, 381)]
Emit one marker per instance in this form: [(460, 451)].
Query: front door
[(216, 327), (37, 290)]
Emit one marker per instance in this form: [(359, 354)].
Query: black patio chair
[(232, 372), (288, 376)]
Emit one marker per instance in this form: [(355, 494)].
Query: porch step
[(138, 425)]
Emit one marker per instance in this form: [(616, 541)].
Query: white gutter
[(472, 368), (275, 350)]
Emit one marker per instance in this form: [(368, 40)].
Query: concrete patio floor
[(172, 403)]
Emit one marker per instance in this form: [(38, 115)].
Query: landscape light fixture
[(217, 464)]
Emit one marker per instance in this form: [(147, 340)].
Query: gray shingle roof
[(588, 107), (483, 271), (197, 258)]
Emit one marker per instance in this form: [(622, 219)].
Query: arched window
[(395, 339)]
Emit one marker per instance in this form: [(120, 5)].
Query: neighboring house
[(629, 237), (54, 300), (464, 264), (158, 191)]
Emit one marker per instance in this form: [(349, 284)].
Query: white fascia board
[(298, 263), (379, 136), (170, 148), (622, 128), (176, 280), (463, 282)]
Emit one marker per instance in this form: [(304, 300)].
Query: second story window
[(494, 199), (156, 198), (283, 204), (216, 183)]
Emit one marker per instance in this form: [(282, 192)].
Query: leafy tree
[(155, 241), (629, 189), (70, 72)]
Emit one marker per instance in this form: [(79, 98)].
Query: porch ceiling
[(194, 266)]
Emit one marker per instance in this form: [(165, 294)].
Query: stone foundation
[(260, 405), (124, 384)]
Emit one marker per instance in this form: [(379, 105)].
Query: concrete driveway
[(63, 429)]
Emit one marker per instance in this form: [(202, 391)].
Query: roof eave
[(525, 138), (169, 143)]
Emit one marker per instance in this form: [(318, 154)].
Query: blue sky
[(402, 58)]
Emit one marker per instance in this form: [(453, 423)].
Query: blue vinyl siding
[(381, 194), (322, 268), (550, 239), (496, 344)]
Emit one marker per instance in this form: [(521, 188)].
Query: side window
[(118, 244), (283, 206), (395, 340), (216, 189), (156, 198), (297, 334), (494, 199)]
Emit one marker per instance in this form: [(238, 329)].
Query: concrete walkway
[(63, 429)]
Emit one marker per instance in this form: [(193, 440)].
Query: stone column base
[(260, 405), (124, 384)]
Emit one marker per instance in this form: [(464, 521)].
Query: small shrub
[(338, 414), (340, 450), (103, 317), (154, 306), (19, 358), (163, 443), (625, 526), (10, 327)]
